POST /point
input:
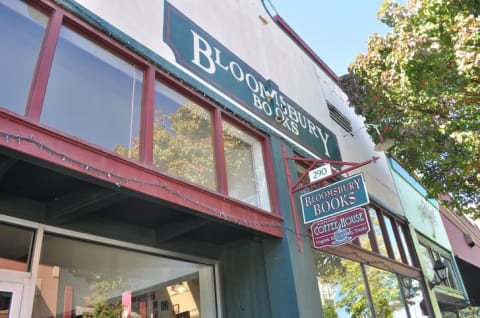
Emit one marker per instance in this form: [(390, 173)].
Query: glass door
[(10, 299)]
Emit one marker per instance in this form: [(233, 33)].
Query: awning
[(470, 274)]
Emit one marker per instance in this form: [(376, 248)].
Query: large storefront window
[(182, 137), (343, 280), (386, 294), (22, 30), (82, 279), (93, 94), (352, 289), (414, 297)]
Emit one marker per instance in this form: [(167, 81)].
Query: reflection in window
[(377, 230), (22, 28), (426, 259), (182, 138), (392, 237), (365, 241), (342, 287), (94, 95), (451, 278), (414, 297), (96, 280), (245, 167), (385, 292), (15, 247)]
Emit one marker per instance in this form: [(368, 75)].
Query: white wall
[(238, 25)]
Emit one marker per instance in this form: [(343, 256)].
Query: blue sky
[(337, 30)]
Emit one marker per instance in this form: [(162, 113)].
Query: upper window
[(245, 167), (429, 255), (94, 94), (182, 138), (23, 28), (183, 146)]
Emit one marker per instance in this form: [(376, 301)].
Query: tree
[(421, 84)]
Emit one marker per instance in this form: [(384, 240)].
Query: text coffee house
[(155, 160)]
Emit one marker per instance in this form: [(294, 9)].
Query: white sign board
[(320, 172)]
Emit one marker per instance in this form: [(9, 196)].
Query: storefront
[(432, 245), (143, 169), (464, 236)]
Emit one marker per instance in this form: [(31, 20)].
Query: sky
[(336, 30)]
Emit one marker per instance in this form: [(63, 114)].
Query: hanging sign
[(320, 172), (340, 229), (335, 198)]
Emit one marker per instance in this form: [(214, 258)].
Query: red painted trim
[(148, 117), (219, 151), (294, 36), (149, 181), (44, 65)]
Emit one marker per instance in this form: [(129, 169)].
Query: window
[(403, 239), (245, 167), (15, 247), (388, 237), (23, 28), (94, 94), (415, 297), (349, 288), (385, 291), (183, 138), (84, 278), (428, 255), (392, 237), (377, 231), (183, 145), (342, 287)]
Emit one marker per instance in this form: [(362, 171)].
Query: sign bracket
[(312, 164)]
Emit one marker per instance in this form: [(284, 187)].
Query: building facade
[(147, 153), (464, 236), (432, 244)]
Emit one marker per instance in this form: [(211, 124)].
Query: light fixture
[(179, 288), (383, 143), (440, 275)]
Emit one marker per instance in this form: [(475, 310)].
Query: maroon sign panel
[(340, 229)]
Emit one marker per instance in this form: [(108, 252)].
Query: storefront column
[(291, 276)]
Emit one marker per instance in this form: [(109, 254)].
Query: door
[(10, 299)]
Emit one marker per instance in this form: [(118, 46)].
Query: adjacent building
[(432, 245)]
